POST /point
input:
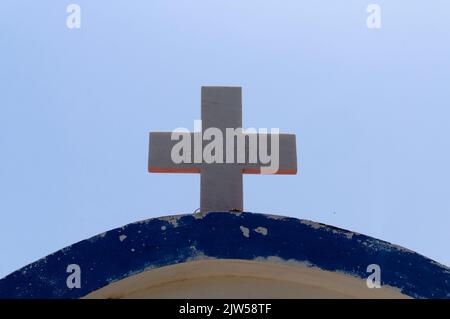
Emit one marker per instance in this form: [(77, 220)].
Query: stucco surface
[(130, 250)]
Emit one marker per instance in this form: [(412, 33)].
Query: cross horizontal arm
[(285, 162), (287, 159), (160, 159)]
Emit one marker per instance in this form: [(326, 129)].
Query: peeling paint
[(199, 215), (173, 220), (224, 235), (276, 217), (276, 259), (245, 231), (261, 230), (311, 224), (349, 235)]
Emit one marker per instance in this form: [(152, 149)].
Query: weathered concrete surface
[(130, 250)]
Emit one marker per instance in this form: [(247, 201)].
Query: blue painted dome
[(150, 244)]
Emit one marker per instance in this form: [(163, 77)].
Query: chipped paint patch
[(245, 231), (334, 230), (261, 230), (199, 255), (275, 217), (311, 224), (293, 262), (173, 220), (237, 213), (401, 248), (122, 237), (200, 215), (349, 235)]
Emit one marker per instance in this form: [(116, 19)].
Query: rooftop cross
[(221, 186)]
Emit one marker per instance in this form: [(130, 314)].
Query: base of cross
[(229, 255)]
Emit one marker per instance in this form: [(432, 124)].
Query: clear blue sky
[(371, 110)]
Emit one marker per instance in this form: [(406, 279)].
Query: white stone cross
[(221, 186)]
